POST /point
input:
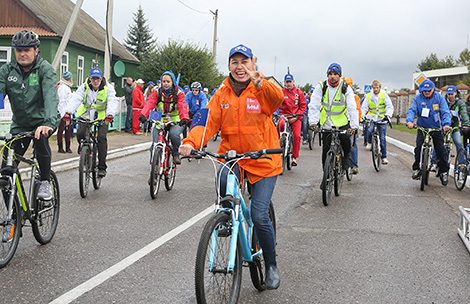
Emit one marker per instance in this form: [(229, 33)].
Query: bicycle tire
[(215, 285), (170, 174), (376, 156), (84, 171), (349, 175), (339, 175), (155, 173), (424, 168), (282, 142), (46, 218), (327, 180), (290, 157), (94, 169), (8, 249), (461, 169), (311, 139), (428, 166), (257, 267)]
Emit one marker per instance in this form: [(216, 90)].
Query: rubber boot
[(272, 273), (67, 147), (61, 147)]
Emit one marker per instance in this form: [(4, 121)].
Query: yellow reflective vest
[(99, 105), (380, 107), (337, 109)]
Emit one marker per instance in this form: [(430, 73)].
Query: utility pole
[(66, 37), (108, 47), (214, 43)]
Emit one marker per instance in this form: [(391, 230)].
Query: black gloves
[(183, 122)]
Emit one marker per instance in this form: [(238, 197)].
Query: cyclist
[(65, 93), (95, 99), (294, 103), (195, 100), (334, 106), (466, 132), (458, 111), (305, 118), (432, 112), (30, 83), (354, 152), (242, 107), (186, 89), (380, 106), (170, 100)]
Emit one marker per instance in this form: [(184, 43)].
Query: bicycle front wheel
[(461, 169), (170, 173), (257, 267), (376, 157), (290, 156), (94, 169), (424, 168), (311, 139), (212, 281), (339, 175), (284, 153), (328, 177), (155, 173), (84, 171), (10, 230), (46, 214)]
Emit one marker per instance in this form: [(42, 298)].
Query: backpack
[(344, 88)]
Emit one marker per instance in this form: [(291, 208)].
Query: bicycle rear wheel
[(257, 267), (376, 156), (170, 174), (461, 169), (84, 171), (424, 168), (328, 176), (94, 169), (9, 244), (339, 175), (46, 214), (212, 282), (155, 173)]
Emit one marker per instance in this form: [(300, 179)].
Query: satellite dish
[(119, 68)]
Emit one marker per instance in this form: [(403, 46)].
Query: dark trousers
[(129, 118), (64, 130), (441, 152), (42, 150), (345, 144), (102, 143)]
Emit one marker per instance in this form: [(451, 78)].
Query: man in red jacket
[(138, 102), (294, 103)]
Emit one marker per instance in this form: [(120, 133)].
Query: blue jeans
[(261, 194), (457, 138), (129, 118), (354, 151), (382, 128), (305, 127), (175, 139)]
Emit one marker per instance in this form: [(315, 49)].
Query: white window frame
[(82, 70), (64, 66), (8, 50)]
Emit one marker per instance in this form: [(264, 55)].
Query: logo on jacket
[(252, 105), (12, 78)]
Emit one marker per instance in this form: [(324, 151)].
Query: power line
[(192, 8)]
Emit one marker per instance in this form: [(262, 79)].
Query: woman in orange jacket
[(242, 110)]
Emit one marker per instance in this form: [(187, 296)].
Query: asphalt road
[(381, 241)]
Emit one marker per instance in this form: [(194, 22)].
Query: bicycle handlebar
[(87, 121), (232, 154)]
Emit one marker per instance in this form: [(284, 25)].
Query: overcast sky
[(383, 40)]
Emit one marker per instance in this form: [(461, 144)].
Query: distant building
[(443, 77)]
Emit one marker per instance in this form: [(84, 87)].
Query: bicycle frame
[(162, 142)]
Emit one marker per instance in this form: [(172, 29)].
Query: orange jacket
[(358, 106), (246, 125)]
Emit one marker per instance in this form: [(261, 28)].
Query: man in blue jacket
[(433, 112)]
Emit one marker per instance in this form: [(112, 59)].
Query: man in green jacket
[(30, 83)]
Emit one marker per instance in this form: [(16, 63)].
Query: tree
[(139, 39), (306, 87), (432, 62), (464, 57), (193, 62)]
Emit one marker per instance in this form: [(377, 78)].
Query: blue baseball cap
[(186, 88), (451, 89), (334, 67), (426, 85), (244, 50), (311, 89), (150, 83), (96, 72), (289, 77)]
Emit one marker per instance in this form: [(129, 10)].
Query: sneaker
[(138, 133), (304, 142), (177, 160), (101, 172), (384, 161), (416, 175), (444, 178), (294, 162), (354, 170), (45, 191), (433, 168), (8, 232), (369, 147)]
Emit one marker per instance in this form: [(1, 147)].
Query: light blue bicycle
[(228, 240)]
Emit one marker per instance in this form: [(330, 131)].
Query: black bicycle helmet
[(25, 39)]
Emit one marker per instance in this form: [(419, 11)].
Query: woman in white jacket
[(65, 93)]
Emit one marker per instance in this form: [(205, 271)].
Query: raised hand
[(255, 76)]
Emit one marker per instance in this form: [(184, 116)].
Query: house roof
[(86, 32)]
